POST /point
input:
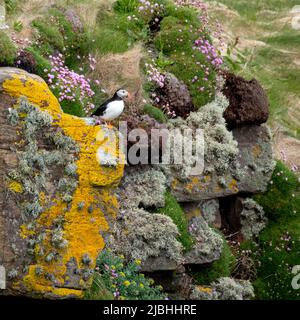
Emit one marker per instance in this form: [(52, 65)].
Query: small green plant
[(11, 5), (220, 268), (116, 278), (176, 213), (278, 248), (18, 26), (125, 6), (155, 113), (282, 198), (7, 49)]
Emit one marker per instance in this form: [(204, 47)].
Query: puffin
[(113, 107)]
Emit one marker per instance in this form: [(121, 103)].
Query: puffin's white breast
[(113, 110)]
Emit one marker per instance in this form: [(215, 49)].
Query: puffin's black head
[(121, 93)]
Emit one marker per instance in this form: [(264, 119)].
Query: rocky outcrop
[(248, 102), (57, 198), (175, 96), (237, 161), (224, 289), (208, 244)]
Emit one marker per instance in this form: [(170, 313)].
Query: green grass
[(279, 242), (114, 33), (176, 213), (8, 51), (220, 268), (175, 41), (250, 9), (155, 113), (125, 6), (282, 199), (98, 290), (279, 253)]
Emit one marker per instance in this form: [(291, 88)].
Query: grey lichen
[(220, 148), (35, 163), (12, 274), (208, 244), (86, 260), (143, 186), (142, 235), (13, 116), (224, 289), (253, 219)]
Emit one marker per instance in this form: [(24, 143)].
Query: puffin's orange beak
[(129, 96)]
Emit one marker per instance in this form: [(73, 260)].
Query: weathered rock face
[(251, 173), (248, 102), (57, 196), (224, 289), (176, 96), (208, 244)]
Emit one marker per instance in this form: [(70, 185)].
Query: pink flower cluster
[(149, 8), (198, 4), (71, 85), (155, 76), (210, 52)]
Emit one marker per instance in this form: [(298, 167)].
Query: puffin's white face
[(122, 93)]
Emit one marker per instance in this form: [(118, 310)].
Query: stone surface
[(224, 289), (248, 102), (56, 200), (250, 173), (176, 96), (208, 244)]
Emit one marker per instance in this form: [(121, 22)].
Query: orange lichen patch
[(257, 151), (82, 228), (15, 187), (191, 185), (233, 186), (25, 232), (204, 289)]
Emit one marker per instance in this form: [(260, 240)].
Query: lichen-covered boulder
[(237, 161), (176, 96), (253, 219), (149, 237), (224, 289), (57, 197), (208, 244), (248, 102)]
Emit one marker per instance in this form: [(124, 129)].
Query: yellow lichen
[(233, 186), (82, 229), (15, 186), (204, 289), (25, 232)]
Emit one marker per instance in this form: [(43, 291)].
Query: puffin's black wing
[(101, 109)]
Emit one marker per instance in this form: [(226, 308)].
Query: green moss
[(155, 113), (279, 252), (176, 213), (220, 268), (175, 40), (8, 51), (282, 198), (279, 244)]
